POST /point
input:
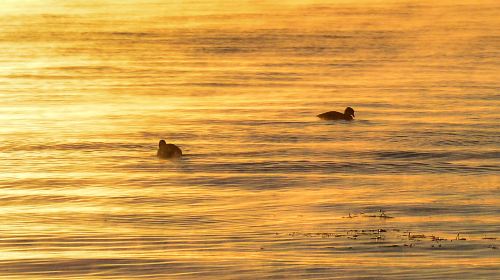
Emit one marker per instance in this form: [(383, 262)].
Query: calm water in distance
[(409, 190)]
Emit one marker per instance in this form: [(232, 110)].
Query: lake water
[(408, 190)]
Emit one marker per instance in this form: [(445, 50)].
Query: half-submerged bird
[(348, 115), (168, 150)]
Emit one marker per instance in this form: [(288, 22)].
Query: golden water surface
[(409, 190)]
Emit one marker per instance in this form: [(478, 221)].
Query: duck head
[(349, 112), (162, 144)]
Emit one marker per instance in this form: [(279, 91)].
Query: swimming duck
[(168, 150), (348, 115)]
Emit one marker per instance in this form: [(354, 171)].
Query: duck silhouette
[(348, 115), (168, 150)]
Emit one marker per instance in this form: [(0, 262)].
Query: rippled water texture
[(409, 190)]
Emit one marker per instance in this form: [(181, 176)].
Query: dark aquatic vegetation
[(168, 151), (348, 115)]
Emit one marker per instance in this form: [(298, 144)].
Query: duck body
[(168, 151), (348, 115)]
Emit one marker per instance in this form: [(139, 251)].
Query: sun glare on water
[(264, 188)]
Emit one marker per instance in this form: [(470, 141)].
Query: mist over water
[(266, 189)]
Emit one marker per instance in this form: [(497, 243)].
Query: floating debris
[(381, 214), (437, 238), (386, 238), (458, 237), (416, 236), (350, 216)]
